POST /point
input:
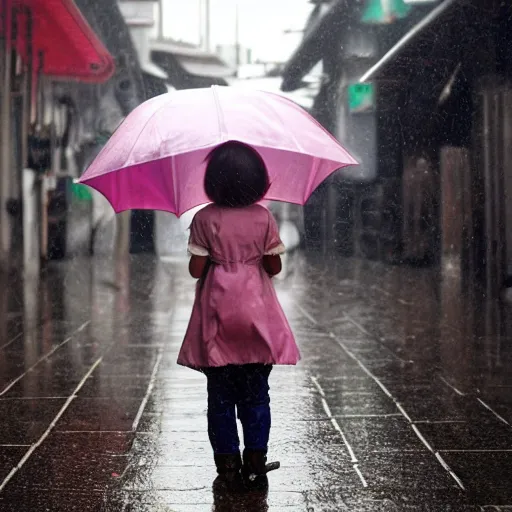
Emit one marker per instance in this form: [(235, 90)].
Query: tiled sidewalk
[(400, 402)]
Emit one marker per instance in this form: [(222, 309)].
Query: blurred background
[(425, 112), (93, 306)]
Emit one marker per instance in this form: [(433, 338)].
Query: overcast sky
[(262, 23)]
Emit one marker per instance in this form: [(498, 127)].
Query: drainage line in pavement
[(46, 433), (336, 425), (401, 409), (378, 339), (46, 356), (386, 391), (445, 466), (151, 385), (501, 418), (458, 391)]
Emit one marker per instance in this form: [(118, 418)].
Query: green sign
[(81, 192), (361, 98), (383, 12)]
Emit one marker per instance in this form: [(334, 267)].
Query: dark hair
[(236, 175)]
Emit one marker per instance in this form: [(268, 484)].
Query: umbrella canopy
[(157, 157)]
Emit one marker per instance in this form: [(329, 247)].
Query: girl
[(237, 330)]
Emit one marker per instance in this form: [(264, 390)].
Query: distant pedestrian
[(237, 330)]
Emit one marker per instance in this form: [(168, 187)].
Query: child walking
[(237, 330)]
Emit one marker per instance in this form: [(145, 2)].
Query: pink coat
[(236, 318)]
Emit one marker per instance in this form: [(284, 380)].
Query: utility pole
[(160, 19), (201, 25), (237, 36), (207, 24)]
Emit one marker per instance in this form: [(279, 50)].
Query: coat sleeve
[(273, 243), (198, 241)]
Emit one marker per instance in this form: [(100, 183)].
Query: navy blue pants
[(244, 390)]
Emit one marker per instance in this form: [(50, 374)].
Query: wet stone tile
[(46, 384), (307, 408), (127, 369), (127, 354), (409, 471), (150, 423), (346, 383), (360, 403), (185, 406), (13, 331), (500, 400), (196, 423), (172, 450), (176, 499), (100, 414), (486, 475), (14, 361), (438, 403), (307, 435), (173, 478), (293, 479), (488, 435), (163, 500), (380, 435), (69, 471), (345, 500), (87, 444), (9, 458), (421, 500), (24, 421), (318, 365), (390, 371), (104, 386), (165, 396), (16, 500), (370, 351)]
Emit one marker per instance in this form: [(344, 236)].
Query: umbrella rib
[(290, 132), (220, 117), (312, 176), (174, 175), (148, 120)]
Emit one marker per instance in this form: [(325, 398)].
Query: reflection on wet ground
[(401, 402)]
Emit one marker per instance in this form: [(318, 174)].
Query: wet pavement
[(403, 399)]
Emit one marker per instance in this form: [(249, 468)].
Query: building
[(436, 169), (455, 104), (44, 64), (357, 212), (234, 55), (189, 66)]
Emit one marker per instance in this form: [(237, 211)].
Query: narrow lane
[(388, 410)]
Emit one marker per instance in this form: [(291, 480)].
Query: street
[(401, 402)]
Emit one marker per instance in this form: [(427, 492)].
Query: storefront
[(38, 40), (356, 212), (451, 77), (189, 67)]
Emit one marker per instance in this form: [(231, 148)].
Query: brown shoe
[(255, 468), (228, 466)]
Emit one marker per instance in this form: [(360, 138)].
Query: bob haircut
[(236, 175)]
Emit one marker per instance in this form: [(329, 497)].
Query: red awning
[(69, 47)]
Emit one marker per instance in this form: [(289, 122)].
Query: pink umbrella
[(156, 158)]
